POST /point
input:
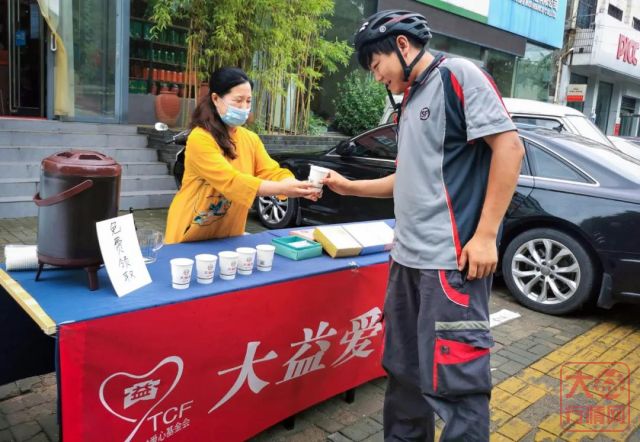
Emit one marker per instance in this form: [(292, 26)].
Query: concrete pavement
[(535, 358)]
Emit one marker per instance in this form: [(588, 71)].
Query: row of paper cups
[(241, 261)]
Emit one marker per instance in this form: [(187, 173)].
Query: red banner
[(224, 367)]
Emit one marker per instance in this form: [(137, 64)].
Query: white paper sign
[(121, 254), (501, 317)]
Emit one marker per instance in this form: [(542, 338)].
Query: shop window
[(455, 47), (534, 73), (615, 12), (501, 66), (636, 24), (157, 64)]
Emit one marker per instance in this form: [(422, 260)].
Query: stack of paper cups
[(21, 257)]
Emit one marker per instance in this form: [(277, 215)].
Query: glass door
[(602, 106), (25, 32), (97, 60)]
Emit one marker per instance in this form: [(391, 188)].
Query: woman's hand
[(289, 187), (295, 188)]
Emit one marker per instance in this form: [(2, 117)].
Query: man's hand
[(480, 255), (337, 183)]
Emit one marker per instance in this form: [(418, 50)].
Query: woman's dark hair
[(206, 116), (384, 46)]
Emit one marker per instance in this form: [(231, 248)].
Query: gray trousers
[(436, 354)]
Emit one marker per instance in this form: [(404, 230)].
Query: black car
[(571, 233)]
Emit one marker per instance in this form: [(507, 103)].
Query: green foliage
[(279, 43), (360, 103), (317, 126)]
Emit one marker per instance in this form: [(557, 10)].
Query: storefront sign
[(477, 10), (546, 7), (538, 20), (627, 49), (225, 367), (576, 92), (614, 51)]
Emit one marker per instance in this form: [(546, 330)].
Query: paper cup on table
[(181, 272), (316, 174), (265, 257), (246, 258), (228, 264), (206, 267)]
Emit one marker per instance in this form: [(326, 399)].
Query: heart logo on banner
[(127, 395)]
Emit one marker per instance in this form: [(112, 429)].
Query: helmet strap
[(396, 106), (407, 69)]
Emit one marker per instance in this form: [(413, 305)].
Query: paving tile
[(8, 391), (512, 385), (25, 431), (531, 394), (512, 405), (338, 437), (497, 437), (544, 365), (498, 418), (515, 429), (6, 436), (543, 436), (361, 429)]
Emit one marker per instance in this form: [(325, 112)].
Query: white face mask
[(235, 116)]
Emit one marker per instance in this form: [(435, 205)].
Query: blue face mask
[(235, 116)]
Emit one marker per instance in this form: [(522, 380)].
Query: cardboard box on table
[(354, 239)]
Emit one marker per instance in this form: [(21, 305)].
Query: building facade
[(514, 40), (93, 60), (602, 47)]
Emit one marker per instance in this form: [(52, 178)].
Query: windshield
[(584, 127)]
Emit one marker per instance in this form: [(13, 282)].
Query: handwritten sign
[(121, 254)]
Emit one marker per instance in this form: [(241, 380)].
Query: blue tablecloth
[(63, 293)]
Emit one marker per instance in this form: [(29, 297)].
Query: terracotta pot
[(168, 108)]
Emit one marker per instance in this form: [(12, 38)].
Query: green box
[(287, 247)]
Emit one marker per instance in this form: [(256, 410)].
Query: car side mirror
[(346, 148)]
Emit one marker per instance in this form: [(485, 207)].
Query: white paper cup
[(317, 173), (246, 258), (181, 272), (228, 264), (206, 267), (265, 257)]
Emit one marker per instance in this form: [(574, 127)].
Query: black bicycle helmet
[(393, 22)]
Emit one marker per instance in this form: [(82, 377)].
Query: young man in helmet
[(457, 167)]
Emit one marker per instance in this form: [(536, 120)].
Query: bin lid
[(81, 163)]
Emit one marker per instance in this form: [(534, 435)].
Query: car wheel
[(548, 271), (276, 213)]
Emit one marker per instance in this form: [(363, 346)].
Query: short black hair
[(383, 46)]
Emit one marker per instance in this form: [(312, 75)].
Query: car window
[(524, 166), (584, 127), (546, 165), (380, 143), (547, 123)]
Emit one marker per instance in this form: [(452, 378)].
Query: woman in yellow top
[(226, 166)]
